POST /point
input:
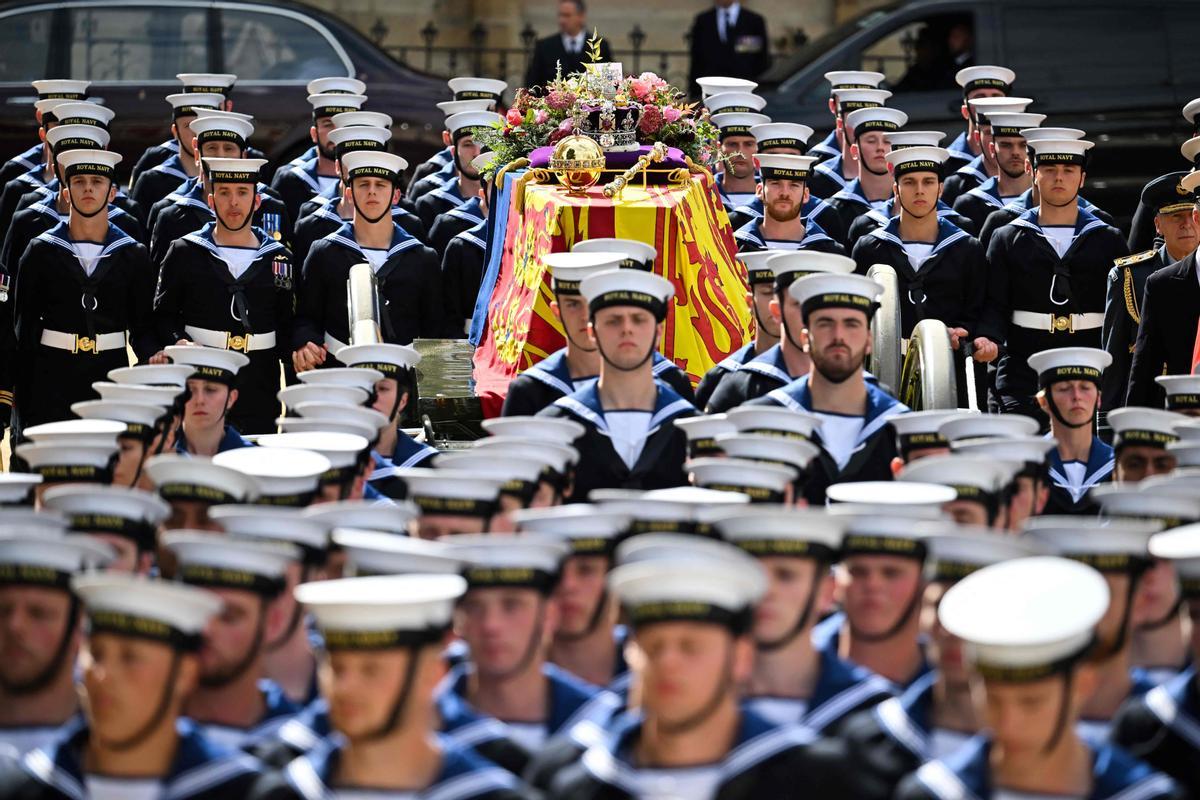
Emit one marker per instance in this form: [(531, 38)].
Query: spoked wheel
[(885, 328), (927, 380)]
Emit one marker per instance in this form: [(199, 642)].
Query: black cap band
[(122, 624), (197, 492), (229, 176), (859, 544), (1183, 401), (476, 94), (986, 83), (296, 500), (33, 575), (1143, 438), (510, 577), (873, 125), (917, 165), (688, 611), (138, 531), (627, 297), (73, 473), (784, 174), (838, 300), (359, 146), (1057, 158), (229, 578), (792, 548), (68, 143), (455, 506), (85, 168), (757, 494), (920, 441), (1069, 373), (735, 130), (781, 141), (372, 171), (219, 135)]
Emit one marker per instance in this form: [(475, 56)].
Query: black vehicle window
[(137, 43), (24, 46), (923, 55), (260, 46)]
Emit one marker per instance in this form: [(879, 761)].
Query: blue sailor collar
[(114, 238), (204, 237), (841, 687), (401, 239), (304, 730), (462, 774), (906, 718), (29, 158), (888, 212), (446, 171), (1085, 221), (1100, 463), (199, 765), (552, 371), (966, 775), (1175, 705), (279, 710), (585, 404), (947, 234), (827, 146), (852, 190), (754, 209), (475, 235), (449, 191), (832, 168), (752, 232), (230, 440), (464, 724), (442, 157), (988, 191), (1021, 202), (959, 147), (737, 358), (827, 636), (974, 167), (49, 208), (306, 171), (881, 406), (408, 453), (173, 165), (770, 362), (471, 210)]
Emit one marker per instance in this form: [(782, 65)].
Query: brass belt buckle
[(241, 343), (1061, 324), (86, 344)]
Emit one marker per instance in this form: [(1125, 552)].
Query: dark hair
[(580, 5)]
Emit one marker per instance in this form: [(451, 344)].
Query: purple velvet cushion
[(617, 162)]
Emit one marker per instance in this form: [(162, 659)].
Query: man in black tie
[(728, 40), (568, 47)]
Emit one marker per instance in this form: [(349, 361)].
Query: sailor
[(145, 421), (285, 476), (1160, 726), (231, 286), (784, 196), (1031, 487), (470, 94), (1182, 393), (451, 501), (630, 441), (781, 363), (464, 259), (393, 393), (976, 82), (234, 703), (1069, 378), (831, 145), (17, 490), (1010, 152), (323, 86), (154, 182), (466, 182), (191, 486), (941, 270), (577, 364), (1045, 271), (556, 460), (349, 456), (983, 486), (778, 138), (124, 519), (1142, 233), (194, 83), (40, 633), (1117, 548), (407, 272), (1028, 625), (984, 165), (69, 452), (1140, 439), (207, 427), (83, 298), (390, 628), (938, 713), (831, 176), (918, 434), (738, 184), (134, 741), (49, 93), (867, 130), (296, 183), (188, 209), (836, 312)]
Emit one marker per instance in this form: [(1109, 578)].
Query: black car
[(1120, 71), (131, 51)]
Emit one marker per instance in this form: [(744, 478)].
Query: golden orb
[(577, 162)]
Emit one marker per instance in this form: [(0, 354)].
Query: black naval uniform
[(462, 272), (549, 379), (879, 217), (64, 316), (453, 222), (324, 220), (753, 379), (438, 201), (30, 222), (156, 183), (296, 184), (199, 299), (750, 238), (1028, 276), (410, 288), (964, 179), (1162, 728), (723, 368), (1167, 333), (190, 212), (1122, 316), (1010, 211)]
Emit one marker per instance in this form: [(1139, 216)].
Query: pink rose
[(652, 80), (514, 117), (641, 90), (541, 116), (567, 126), (671, 114)]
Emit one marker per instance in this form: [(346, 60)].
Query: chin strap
[(709, 708), (1058, 414), (1118, 644), (1060, 726), (533, 649), (635, 367), (354, 201), (801, 621), (247, 660), (593, 621), (47, 675), (77, 210), (227, 227), (913, 605), (396, 715), (160, 711)]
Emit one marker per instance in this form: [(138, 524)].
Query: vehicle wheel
[(927, 380), (885, 328)]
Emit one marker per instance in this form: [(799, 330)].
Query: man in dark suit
[(568, 47), (728, 40), (1167, 333)]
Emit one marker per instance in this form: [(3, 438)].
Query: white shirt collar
[(732, 12)]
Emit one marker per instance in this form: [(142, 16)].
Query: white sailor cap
[(721, 589), (361, 377), (69, 463), (588, 529), (66, 138), (794, 453), (762, 482), (909, 500), (774, 421), (988, 426), (918, 158), (47, 106), (892, 535), (483, 162), (1147, 427), (1187, 454), (311, 425), (43, 519), (88, 162), (734, 102), (186, 103), (382, 612), (72, 432), (470, 123), (1181, 546), (34, 557), (1069, 364), (518, 476), (470, 88), (921, 430), (1026, 619), (756, 265), (991, 105), (1188, 429), (81, 113), (684, 509), (717, 84), (737, 123), (819, 291), (1044, 133), (373, 164), (213, 82), (1189, 110), (337, 412), (974, 478), (388, 359), (567, 270), (854, 79), (451, 107), (215, 561), (782, 167), (59, 89), (139, 418), (284, 476), (356, 138), (451, 492), (1190, 149), (781, 135), (1171, 508), (222, 128), (786, 266), (146, 608), (375, 553), (144, 394), (535, 429), (16, 489), (557, 457), (875, 118), (853, 99), (1185, 481), (153, 375), (329, 104), (985, 76), (627, 287), (1114, 545), (955, 555), (311, 392), (1064, 151), (119, 510), (276, 524), (637, 255), (1030, 451), (178, 477), (208, 363), (780, 531), (902, 139), (1013, 125), (495, 560), (336, 85), (702, 433), (343, 450), (1183, 391), (393, 518), (361, 119)]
